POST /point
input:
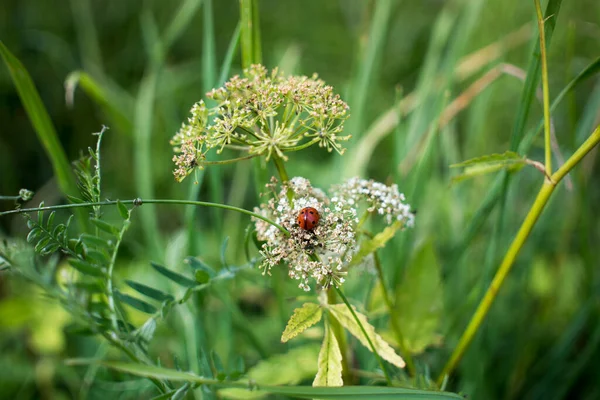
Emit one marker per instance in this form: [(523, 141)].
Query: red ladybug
[(308, 218)]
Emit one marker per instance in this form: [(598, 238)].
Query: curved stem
[(138, 202), (509, 259), (362, 328)]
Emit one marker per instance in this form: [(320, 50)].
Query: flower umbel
[(324, 252), (261, 113)]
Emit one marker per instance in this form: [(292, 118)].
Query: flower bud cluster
[(261, 113), (380, 198)]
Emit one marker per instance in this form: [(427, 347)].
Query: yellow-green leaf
[(330, 361), (302, 319), (346, 319), (378, 241)]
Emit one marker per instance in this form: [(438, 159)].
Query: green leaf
[(377, 242), (86, 268), (346, 319), (174, 276), (509, 161), (105, 226), (135, 303), (304, 392), (149, 291), (40, 120), (115, 103), (419, 300), (123, 210), (199, 265), (91, 240), (302, 319), (330, 361), (202, 277)]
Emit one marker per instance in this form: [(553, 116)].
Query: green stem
[(10, 197), (138, 202), (301, 146), (109, 278), (546, 92), (338, 332), (509, 259), (362, 328), (394, 319), (280, 168), (230, 161)]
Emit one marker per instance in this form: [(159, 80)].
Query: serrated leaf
[(302, 319), (419, 300), (341, 313), (509, 161), (123, 210), (86, 268), (378, 241), (149, 291), (174, 276), (105, 226), (136, 303), (329, 366)]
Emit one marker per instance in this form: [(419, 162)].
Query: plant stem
[(509, 259), (338, 332), (138, 202), (546, 92), (362, 328), (394, 319)]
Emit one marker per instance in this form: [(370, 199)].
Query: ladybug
[(308, 218)]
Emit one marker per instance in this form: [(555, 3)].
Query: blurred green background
[(541, 340)]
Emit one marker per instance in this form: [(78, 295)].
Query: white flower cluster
[(324, 252), (379, 197)]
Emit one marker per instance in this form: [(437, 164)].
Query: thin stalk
[(546, 91), (362, 328), (109, 276), (230, 161), (516, 245), (301, 146), (338, 332), (394, 319), (138, 202), (15, 198)]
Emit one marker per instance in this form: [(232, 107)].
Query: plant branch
[(138, 202)]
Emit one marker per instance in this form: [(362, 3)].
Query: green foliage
[(419, 300), (87, 289)]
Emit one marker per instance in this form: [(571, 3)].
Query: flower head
[(262, 113), (325, 252)]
